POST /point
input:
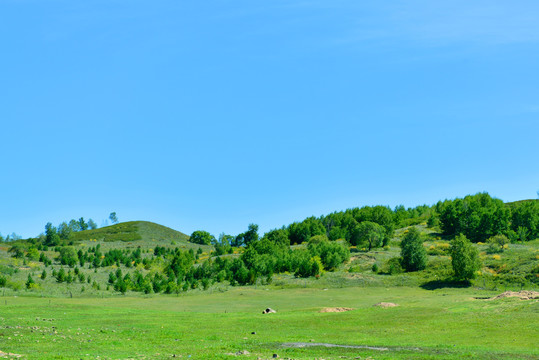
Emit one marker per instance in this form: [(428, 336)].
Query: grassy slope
[(440, 324), (513, 203)]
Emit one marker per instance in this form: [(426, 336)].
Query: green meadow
[(446, 323)]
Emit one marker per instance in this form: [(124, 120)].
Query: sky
[(211, 115)]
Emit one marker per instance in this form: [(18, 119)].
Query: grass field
[(442, 324)]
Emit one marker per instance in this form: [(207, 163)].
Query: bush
[(497, 243), (394, 266)]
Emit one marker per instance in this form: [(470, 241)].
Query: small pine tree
[(43, 275), (29, 282), (61, 275)]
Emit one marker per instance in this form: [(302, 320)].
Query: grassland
[(441, 324), (435, 319)]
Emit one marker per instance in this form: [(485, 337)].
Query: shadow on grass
[(446, 283)]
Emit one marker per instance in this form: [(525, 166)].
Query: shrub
[(394, 266), (497, 243)]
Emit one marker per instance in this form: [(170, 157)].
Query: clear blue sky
[(216, 114)]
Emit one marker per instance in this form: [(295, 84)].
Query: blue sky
[(216, 114)]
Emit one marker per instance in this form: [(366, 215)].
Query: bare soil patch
[(9, 355), (304, 345), (524, 295), (386, 304), (335, 309)]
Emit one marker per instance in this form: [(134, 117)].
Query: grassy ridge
[(131, 231)]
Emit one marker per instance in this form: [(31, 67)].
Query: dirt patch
[(385, 305), (9, 355), (304, 345), (335, 309), (524, 295)]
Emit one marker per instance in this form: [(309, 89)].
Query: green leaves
[(464, 258), (414, 255)]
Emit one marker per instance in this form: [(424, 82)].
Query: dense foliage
[(464, 258), (480, 217), (413, 254)]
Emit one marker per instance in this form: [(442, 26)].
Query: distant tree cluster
[(480, 217)]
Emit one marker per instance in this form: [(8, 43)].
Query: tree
[(64, 230), (82, 224), (33, 254), (278, 236), (92, 225), (413, 253), (464, 258), (17, 250), (74, 225), (51, 236), (113, 218), (68, 256), (29, 282), (369, 233), (251, 235), (201, 237)]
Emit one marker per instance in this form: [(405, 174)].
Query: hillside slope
[(132, 231)]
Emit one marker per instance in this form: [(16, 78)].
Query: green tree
[(92, 225), (201, 237), (17, 250), (51, 236), (525, 220), (278, 236), (29, 282), (33, 254), (413, 253), (464, 258), (68, 256), (61, 275), (113, 218), (43, 275), (74, 225), (82, 224), (251, 235), (64, 231), (368, 233)]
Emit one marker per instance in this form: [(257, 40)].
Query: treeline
[(367, 227), (478, 217)]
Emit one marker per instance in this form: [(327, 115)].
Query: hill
[(520, 202), (131, 231)]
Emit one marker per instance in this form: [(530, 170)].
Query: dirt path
[(376, 348)]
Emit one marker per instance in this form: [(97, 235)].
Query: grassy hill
[(520, 202), (132, 231)]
